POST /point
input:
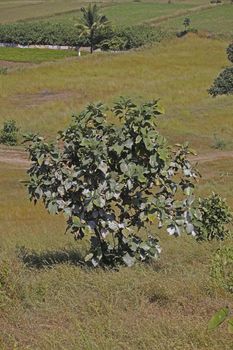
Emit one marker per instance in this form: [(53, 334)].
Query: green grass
[(11, 11), (136, 12), (131, 13), (33, 55), (217, 20)]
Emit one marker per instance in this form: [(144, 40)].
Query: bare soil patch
[(31, 100), (19, 157), (212, 156)]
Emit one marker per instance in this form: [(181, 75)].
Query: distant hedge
[(47, 33), (132, 37), (40, 33)]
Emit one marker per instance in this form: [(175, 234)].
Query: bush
[(215, 216), (223, 84), (3, 70), (222, 268), (112, 181), (9, 133), (132, 37), (41, 33), (219, 143), (230, 52)]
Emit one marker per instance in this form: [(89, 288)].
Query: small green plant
[(221, 316), (3, 70), (186, 23), (222, 268), (9, 133), (215, 218), (219, 143)]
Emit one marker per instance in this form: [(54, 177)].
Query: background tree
[(186, 23), (92, 22), (223, 84)]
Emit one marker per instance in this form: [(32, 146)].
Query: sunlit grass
[(217, 19), (33, 55), (43, 98)]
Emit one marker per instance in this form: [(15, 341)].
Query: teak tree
[(110, 181)]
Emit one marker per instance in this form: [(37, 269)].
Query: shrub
[(222, 268), (9, 133), (223, 84), (3, 70), (219, 143), (112, 181), (132, 37), (215, 217), (186, 23)]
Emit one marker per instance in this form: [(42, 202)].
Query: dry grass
[(162, 306)]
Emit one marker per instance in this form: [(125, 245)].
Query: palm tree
[(91, 22)]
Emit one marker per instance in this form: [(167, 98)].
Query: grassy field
[(48, 94), (33, 55), (15, 10), (162, 306), (217, 20), (130, 13)]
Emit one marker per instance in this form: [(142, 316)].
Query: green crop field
[(218, 20), (130, 13), (55, 303), (11, 11), (33, 55)]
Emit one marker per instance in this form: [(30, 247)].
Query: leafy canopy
[(223, 84), (111, 181)]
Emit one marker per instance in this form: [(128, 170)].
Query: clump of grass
[(219, 143), (3, 70)]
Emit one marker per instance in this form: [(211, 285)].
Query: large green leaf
[(218, 318)]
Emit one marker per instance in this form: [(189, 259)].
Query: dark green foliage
[(65, 33), (215, 216), (132, 37), (230, 52), (111, 181), (222, 268), (9, 133), (41, 33), (223, 84), (186, 23)]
